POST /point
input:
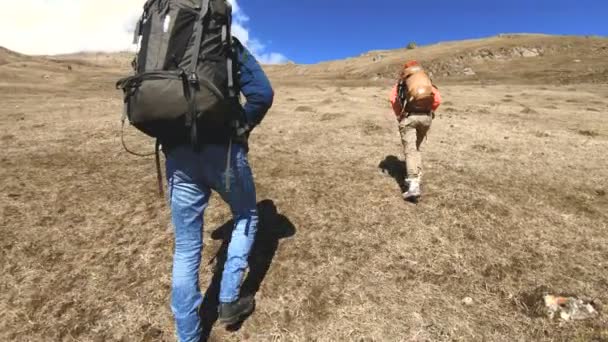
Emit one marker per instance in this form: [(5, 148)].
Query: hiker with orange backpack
[(414, 100)]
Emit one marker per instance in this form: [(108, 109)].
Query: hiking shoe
[(413, 190), (237, 311)]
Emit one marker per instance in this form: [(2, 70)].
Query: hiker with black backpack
[(189, 73), (414, 100)]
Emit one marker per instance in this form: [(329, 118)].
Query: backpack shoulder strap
[(236, 50), (401, 91), (199, 31)]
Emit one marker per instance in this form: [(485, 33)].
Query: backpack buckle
[(193, 78)]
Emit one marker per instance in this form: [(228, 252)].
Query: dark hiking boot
[(237, 311)]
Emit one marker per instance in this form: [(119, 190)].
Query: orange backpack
[(415, 89)]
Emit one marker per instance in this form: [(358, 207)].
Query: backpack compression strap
[(159, 173), (193, 81)]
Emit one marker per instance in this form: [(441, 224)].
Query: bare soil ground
[(515, 206)]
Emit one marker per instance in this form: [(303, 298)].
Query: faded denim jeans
[(192, 175)]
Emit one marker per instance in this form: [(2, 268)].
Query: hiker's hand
[(243, 130), (401, 116)]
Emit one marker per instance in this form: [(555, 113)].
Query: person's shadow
[(272, 227), (395, 168)]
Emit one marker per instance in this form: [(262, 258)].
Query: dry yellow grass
[(515, 205)]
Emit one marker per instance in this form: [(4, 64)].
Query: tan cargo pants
[(413, 130)]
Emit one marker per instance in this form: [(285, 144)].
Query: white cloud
[(240, 30), (66, 26)]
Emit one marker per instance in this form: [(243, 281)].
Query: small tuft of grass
[(528, 110), (371, 128), (484, 148), (304, 109), (331, 116), (541, 134), (588, 133)]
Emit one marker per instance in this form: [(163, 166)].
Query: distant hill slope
[(9, 56), (507, 58), (53, 74)]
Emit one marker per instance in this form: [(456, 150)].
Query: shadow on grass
[(395, 168), (272, 227)]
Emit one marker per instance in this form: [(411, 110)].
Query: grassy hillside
[(514, 204)]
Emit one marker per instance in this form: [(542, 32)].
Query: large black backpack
[(184, 71)]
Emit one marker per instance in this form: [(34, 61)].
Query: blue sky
[(305, 31), (310, 31)]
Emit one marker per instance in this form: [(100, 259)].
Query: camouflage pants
[(413, 130)]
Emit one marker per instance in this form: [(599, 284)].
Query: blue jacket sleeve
[(256, 88)]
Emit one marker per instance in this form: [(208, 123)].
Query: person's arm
[(437, 98), (256, 88), (395, 102)]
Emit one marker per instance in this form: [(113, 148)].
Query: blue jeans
[(191, 176)]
